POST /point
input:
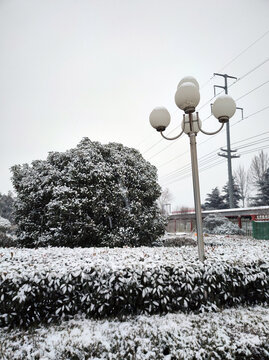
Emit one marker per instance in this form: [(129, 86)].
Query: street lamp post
[(187, 97)]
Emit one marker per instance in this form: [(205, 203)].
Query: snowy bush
[(237, 334), (46, 285), (92, 195), (7, 233), (179, 241), (216, 224), (4, 224)]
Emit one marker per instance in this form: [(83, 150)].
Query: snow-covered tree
[(236, 194), (214, 200), (258, 167), (92, 195), (262, 197), (7, 206)]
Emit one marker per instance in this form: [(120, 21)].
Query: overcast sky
[(95, 68)]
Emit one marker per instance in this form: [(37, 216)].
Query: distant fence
[(260, 228), (244, 217)]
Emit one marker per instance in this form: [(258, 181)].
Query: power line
[(252, 70), (175, 158), (256, 88), (189, 173), (201, 159), (256, 149), (234, 143), (214, 164), (144, 152), (251, 137), (166, 147), (254, 143), (237, 56), (246, 117), (209, 157), (243, 51)]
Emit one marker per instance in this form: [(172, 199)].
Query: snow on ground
[(221, 335)]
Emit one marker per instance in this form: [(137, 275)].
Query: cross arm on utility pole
[(225, 75), (223, 155), (227, 156), (227, 150)]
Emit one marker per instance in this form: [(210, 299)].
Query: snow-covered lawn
[(241, 333)]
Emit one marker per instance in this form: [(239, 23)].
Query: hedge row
[(100, 292)]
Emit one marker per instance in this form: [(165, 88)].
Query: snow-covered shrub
[(7, 233), (179, 241), (4, 224), (241, 333), (220, 225), (46, 285), (92, 195)]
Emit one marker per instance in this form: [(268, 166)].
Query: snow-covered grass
[(241, 333), (49, 284)]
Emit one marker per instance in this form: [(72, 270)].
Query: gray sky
[(95, 68)]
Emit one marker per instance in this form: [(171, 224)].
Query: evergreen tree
[(93, 195), (7, 206), (214, 200), (236, 194), (262, 197)]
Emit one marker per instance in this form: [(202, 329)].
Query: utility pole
[(228, 152)]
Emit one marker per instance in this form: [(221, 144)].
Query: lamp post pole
[(197, 197), (187, 98)]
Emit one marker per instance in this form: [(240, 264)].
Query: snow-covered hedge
[(230, 334), (217, 224), (54, 283)]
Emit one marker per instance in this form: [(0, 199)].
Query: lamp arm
[(210, 133), (173, 138)]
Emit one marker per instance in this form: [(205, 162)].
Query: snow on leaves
[(241, 333), (48, 284), (92, 195)]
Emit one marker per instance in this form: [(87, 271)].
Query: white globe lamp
[(188, 79), (159, 118), (224, 108), (187, 97)]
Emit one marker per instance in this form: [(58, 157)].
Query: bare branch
[(258, 167), (243, 180)]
